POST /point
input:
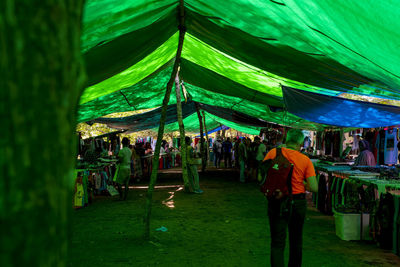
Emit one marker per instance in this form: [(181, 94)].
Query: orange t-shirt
[(303, 167)]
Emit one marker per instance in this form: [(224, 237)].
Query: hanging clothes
[(355, 146), (322, 193), (384, 219), (336, 140), (391, 150), (386, 144), (380, 145), (328, 142), (307, 142), (319, 141)]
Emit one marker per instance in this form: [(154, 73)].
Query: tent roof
[(150, 120), (236, 55)]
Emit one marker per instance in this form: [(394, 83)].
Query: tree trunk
[(207, 140), (41, 79), (202, 152), (153, 177), (182, 135)]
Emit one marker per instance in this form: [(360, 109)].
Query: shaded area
[(225, 226)]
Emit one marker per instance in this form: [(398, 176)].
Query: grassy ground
[(227, 225)]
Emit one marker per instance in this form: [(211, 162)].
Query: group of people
[(243, 154), (249, 155), (137, 161), (132, 161)]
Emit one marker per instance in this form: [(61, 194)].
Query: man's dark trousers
[(279, 221)]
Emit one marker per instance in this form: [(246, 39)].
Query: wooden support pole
[(182, 136), (202, 152), (207, 140), (153, 177)]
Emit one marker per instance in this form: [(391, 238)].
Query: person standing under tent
[(217, 149), (248, 143), (227, 150), (242, 158), (236, 144), (303, 177), (192, 168), (124, 173), (137, 165), (258, 151), (366, 157), (148, 151)]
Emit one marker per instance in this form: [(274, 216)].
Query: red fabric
[(196, 140)]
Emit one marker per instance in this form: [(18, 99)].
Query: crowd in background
[(243, 153)]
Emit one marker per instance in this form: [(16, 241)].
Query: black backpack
[(276, 177)]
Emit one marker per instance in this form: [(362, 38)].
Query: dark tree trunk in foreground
[(202, 152), (41, 78)]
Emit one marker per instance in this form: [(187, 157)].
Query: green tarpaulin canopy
[(237, 54)]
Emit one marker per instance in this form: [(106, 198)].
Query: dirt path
[(225, 226)]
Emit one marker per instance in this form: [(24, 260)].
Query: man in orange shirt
[(303, 177)]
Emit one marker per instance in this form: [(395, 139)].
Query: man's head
[(294, 138), (228, 139), (125, 141)]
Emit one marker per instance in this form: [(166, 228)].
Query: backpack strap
[(289, 181)]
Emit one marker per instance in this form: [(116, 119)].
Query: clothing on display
[(322, 192), (386, 144), (380, 145), (391, 151), (307, 142), (320, 140), (336, 144), (328, 142)]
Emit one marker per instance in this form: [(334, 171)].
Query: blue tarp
[(339, 111), (223, 127)]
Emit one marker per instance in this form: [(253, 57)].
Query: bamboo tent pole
[(153, 177), (207, 140), (203, 156), (182, 135)]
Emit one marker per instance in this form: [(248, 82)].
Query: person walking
[(192, 168), (242, 158), (227, 150), (124, 173), (303, 177), (217, 149)]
